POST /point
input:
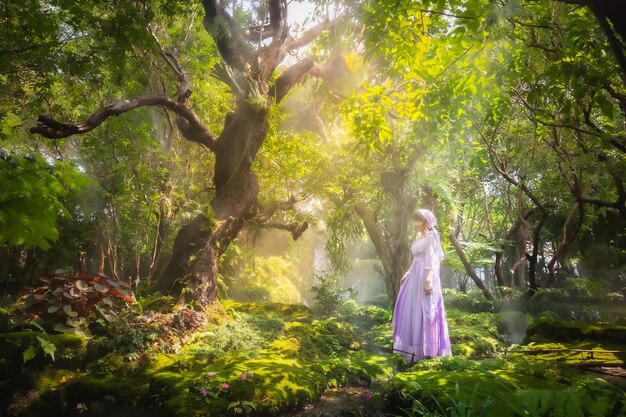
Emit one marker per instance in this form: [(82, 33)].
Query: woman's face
[(419, 225)]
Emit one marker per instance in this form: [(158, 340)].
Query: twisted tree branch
[(53, 129), (285, 82)]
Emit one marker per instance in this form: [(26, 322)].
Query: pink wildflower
[(368, 395), (211, 374), (225, 385), (203, 392), (243, 377), (79, 406)]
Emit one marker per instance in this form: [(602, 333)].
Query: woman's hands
[(428, 282)]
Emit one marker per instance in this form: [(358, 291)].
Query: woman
[(420, 329)]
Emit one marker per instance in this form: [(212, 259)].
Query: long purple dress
[(419, 320)]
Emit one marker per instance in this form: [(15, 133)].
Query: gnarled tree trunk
[(250, 75)]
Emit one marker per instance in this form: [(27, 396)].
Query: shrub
[(445, 363), (473, 302), (65, 302), (328, 295), (244, 333)]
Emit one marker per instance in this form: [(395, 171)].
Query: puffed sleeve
[(432, 254)]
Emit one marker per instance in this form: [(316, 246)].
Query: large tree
[(250, 58)]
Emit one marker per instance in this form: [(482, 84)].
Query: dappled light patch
[(584, 353), (474, 334), (380, 335)]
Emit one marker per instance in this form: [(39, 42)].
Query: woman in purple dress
[(420, 328)]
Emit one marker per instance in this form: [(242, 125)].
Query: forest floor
[(263, 359)]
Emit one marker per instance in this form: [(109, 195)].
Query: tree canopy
[(140, 141)]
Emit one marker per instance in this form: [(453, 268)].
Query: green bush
[(328, 295), (472, 302), (244, 333), (66, 303)]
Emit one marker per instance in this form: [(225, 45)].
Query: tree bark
[(532, 257), (199, 244)]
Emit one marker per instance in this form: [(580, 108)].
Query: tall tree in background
[(250, 59), (524, 89)]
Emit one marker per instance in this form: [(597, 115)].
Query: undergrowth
[(265, 359)]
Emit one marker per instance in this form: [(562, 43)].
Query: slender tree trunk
[(563, 249), (158, 243), (499, 261), (498, 268), (519, 270), (394, 256), (452, 236), (532, 258)]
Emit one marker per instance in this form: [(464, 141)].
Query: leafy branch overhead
[(246, 71), (33, 194)]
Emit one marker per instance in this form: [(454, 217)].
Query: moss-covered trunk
[(199, 244)]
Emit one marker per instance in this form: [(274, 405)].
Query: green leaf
[(606, 107), (53, 309), (48, 347), (68, 310), (29, 353)]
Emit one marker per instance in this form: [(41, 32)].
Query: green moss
[(286, 312), (380, 335), (573, 353), (295, 363), (548, 329), (165, 387), (276, 358), (291, 371), (107, 366), (128, 391), (70, 350), (474, 334), (52, 378), (503, 392), (437, 390), (358, 369), (157, 302)]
